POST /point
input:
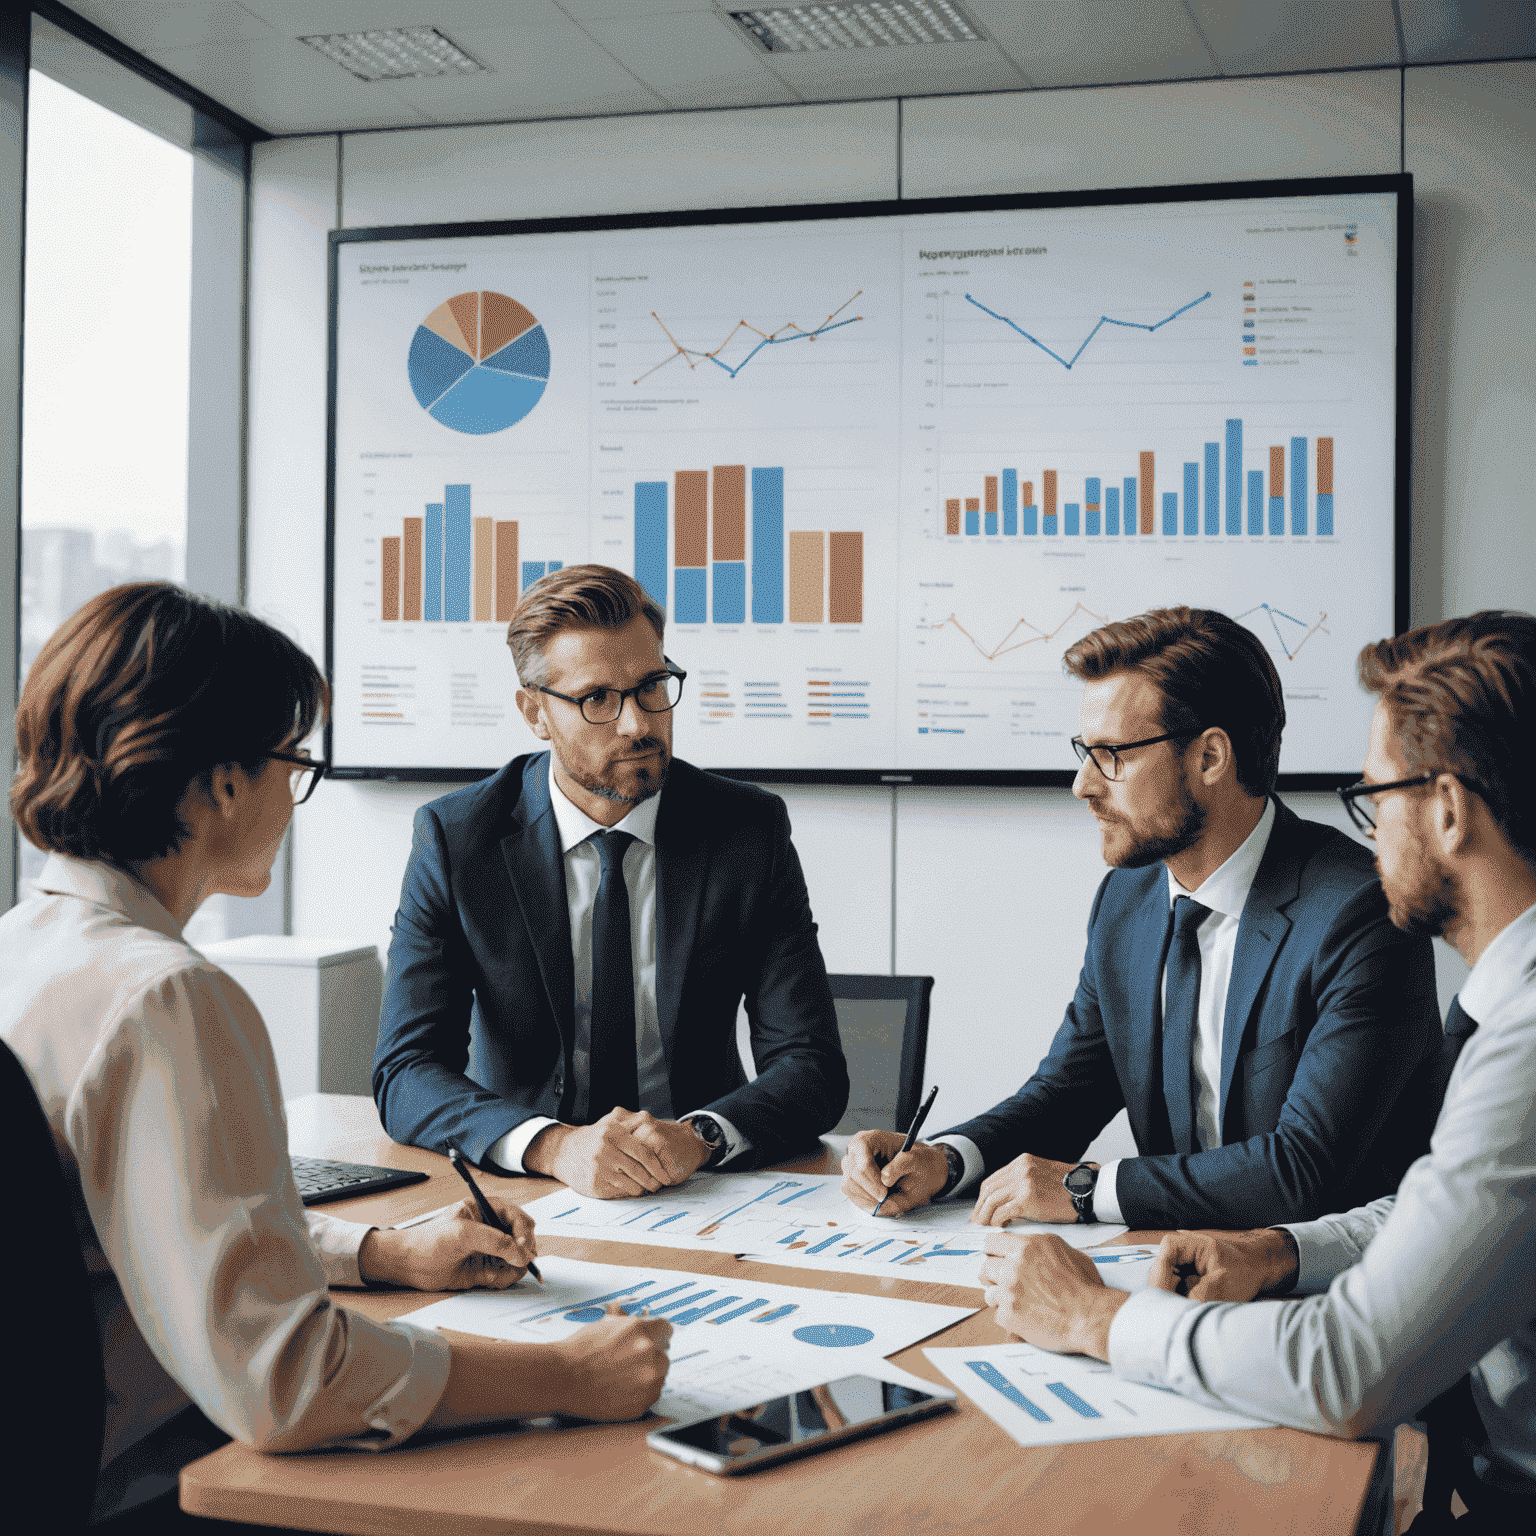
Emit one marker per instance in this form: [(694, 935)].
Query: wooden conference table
[(956, 1473)]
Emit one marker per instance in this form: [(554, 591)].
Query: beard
[(1422, 901), (649, 779), (1178, 829)]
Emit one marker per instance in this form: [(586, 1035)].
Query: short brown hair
[(1461, 696), (143, 690), (1210, 670), (579, 597)]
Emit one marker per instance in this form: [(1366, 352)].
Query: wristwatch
[(1080, 1183), (712, 1134), (956, 1169)]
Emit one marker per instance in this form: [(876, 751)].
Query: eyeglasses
[(305, 775), (1360, 803), (656, 695), (1107, 758)]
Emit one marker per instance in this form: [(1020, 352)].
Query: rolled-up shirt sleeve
[(178, 1130)]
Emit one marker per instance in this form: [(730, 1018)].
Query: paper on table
[(734, 1342), (1045, 1399), (1126, 1269)]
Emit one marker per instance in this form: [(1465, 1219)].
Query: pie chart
[(479, 362), (834, 1335)]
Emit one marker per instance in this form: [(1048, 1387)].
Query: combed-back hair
[(578, 597), (1461, 698), (143, 690), (1210, 670)]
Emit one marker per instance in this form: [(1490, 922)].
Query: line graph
[(1275, 615), (789, 331), (1103, 320), (1008, 643)]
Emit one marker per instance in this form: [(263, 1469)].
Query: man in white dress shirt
[(1406, 1294)]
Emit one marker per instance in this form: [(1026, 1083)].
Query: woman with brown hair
[(159, 746)]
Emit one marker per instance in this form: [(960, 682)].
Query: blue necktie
[(1181, 1010), (615, 1077)]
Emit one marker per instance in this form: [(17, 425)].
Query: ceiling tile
[(1096, 42), (1441, 31), (1268, 37), (311, 18), (912, 69), (150, 24), (692, 59), (592, 10)]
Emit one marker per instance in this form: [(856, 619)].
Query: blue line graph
[(1131, 325), (1291, 646), (693, 356)]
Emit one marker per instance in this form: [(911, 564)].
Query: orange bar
[(952, 515), (1027, 492), (807, 568), (389, 570), (506, 571), (991, 494), (690, 518), (410, 574), (1144, 489), (1049, 509), (1325, 466), (485, 570), (1277, 471), (846, 578), (730, 512), (973, 503)]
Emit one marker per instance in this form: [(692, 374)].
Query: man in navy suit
[(1244, 994), (575, 935)]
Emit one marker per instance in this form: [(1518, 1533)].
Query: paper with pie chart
[(479, 362), (734, 1341)]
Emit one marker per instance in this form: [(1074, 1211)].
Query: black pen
[(487, 1210), (911, 1141)]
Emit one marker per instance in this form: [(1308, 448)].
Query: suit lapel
[(682, 860)]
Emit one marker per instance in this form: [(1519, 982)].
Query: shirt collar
[(1225, 889), (1504, 969), (576, 826), (106, 887)]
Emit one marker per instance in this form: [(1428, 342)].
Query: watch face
[(1081, 1180)]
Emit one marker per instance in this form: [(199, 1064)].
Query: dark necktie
[(614, 1074), (1181, 1010), (1459, 1028)]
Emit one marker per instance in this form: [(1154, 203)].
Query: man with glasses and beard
[(1243, 996), (576, 933)]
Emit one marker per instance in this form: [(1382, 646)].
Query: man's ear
[(530, 706), (1216, 755), (225, 786), (1450, 814)]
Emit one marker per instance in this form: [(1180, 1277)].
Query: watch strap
[(712, 1134), (956, 1169), (1082, 1203)]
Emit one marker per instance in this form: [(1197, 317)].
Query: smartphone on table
[(849, 1408)]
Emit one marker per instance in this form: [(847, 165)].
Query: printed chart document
[(1045, 1399), (734, 1342), (1125, 1268)]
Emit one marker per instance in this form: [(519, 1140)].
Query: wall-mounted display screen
[(881, 464)]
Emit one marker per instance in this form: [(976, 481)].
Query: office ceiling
[(576, 58)]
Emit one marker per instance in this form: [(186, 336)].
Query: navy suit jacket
[(481, 957), (1327, 1047)]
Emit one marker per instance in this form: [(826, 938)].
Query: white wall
[(987, 890)]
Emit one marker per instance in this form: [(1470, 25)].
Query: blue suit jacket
[(1327, 1047), (481, 955)]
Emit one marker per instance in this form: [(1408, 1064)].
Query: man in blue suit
[(575, 935), (1244, 994)]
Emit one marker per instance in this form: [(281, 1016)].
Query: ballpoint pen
[(911, 1141), (487, 1210)]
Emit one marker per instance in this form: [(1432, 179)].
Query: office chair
[(883, 1021), (52, 1448)]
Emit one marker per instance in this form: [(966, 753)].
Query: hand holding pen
[(910, 1142), (488, 1212)]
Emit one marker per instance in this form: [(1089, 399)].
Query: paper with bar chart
[(734, 1342), (881, 472), (1043, 1399)]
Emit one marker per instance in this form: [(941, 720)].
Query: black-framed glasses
[(304, 775), (1106, 758), (1361, 806), (602, 706)]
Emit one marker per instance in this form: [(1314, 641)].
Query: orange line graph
[(1008, 643), (789, 331)]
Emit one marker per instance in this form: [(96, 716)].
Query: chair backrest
[(53, 1444), (884, 1024)]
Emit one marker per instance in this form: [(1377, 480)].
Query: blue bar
[(885, 1242), (767, 546), (1325, 512), (990, 524), (1031, 520), (688, 594), (1130, 504), (774, 1316), (684, 1318), (1112, 510), (1212, 488), (1010, 501), (1298, 485), (456, 555), (1170, 512), (826, 1242), (553, 566), (1255, 501), (532, 571), (1091, 516), (1091, 493), (973, 522), (995, 1379), (730, 1317), (786, 1241), (1191, 499), (651, 538), (1277, 514), (1049, 522), (432, 563), (685, 1301), (1068, 1396), (730, 592), (1234, 475), (1073, 514)]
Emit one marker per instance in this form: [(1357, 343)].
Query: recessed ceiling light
[(400, 53), (855, 24)]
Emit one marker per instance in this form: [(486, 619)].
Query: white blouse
[(210, 1278)]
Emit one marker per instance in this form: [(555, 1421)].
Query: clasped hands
[(628, 1152), (456, 1252)]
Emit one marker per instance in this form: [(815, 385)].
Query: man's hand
[(1028, 1189), (1224, 1266), (1049, 1294), (614, 1369), (457, 1252), (628, 1152), (874, 1164)]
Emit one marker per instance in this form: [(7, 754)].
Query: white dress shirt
[(210, 1279), (1415, 1286), (583, 870), (1225, 891)]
